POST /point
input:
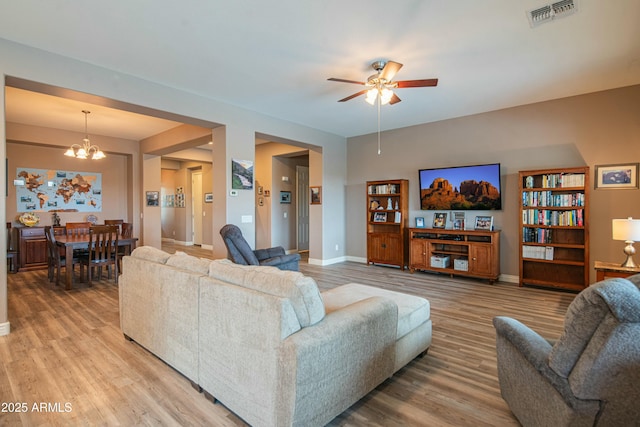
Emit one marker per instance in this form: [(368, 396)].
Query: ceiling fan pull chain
[(379, 126)]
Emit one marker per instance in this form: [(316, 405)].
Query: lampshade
[(626, 229)]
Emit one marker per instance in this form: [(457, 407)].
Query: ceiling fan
[(381, 84)]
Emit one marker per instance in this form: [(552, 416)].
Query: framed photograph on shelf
[(379, 217), (285, 197), (458, 220), (484, 223), (439, 219), (419, 222), (620, 176), (208, 197)]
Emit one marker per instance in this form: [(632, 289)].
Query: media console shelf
[(474, 253)]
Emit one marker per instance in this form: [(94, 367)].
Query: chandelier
[(86, 149)]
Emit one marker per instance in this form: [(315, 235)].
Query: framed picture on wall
[(153, 198), (618, 176), (285, 197), (316, 195)]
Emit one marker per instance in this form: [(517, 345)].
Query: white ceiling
[(275, 57)]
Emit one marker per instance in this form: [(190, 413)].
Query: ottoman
[(413, 335)]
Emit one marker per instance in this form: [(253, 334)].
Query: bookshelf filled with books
[(554, 230), (387, 219)]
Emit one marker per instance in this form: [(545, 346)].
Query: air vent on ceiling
[(552, 11)]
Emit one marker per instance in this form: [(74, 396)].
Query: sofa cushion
[(412, 310), (301, 290), (151, 254), (189, 262)]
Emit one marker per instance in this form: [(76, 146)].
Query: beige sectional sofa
[(267, 343)]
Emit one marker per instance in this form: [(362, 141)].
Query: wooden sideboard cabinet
[(32, 245), (473, 253)]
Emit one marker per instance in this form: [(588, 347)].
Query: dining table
[(75, 242)]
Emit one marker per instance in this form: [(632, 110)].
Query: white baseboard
[(322, 262), (207, 247), (357, 259), (509, 278), (167, 240), (179, 243), (5, 328)]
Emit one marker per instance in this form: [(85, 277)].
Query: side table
[(611, 269)]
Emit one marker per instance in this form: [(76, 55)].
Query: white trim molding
[(5, 328)]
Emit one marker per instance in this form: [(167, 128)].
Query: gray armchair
[(240, 252), (590, 376)]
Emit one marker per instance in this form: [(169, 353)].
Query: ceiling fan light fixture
[(372, 94), (385, 96)]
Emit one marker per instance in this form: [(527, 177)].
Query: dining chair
[(103, 243), (56, 258), (117, 222), (12, 251), (125, 232), (77, 228)]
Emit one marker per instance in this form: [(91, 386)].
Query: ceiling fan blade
[(345, 81), (417, 83), (394, 99), (362, 92), (390, 70)]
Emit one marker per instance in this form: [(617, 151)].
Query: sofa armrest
[(327, 367)]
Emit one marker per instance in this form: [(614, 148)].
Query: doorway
[(302, 197), (196, 207)]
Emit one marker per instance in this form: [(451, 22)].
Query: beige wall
[(115, 181), (273, 161), (593, 129)]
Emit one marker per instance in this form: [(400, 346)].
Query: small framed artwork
[(208, 197), (484, 223), (458, 220), (153, 198), (285, 197), (419, 222), (316, 195), (620, 176), (439, 219), (379, 217)]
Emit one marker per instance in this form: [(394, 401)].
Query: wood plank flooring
[(66, 351)]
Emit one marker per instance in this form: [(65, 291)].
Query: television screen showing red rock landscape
[(461, 188)]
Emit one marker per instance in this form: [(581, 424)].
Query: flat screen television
[(461, 188)]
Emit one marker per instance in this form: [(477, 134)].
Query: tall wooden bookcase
[(387, 220), (554, 228)]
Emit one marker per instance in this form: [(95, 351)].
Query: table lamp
[(629, 231)]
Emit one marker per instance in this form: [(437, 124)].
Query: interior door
[(302, 177), (196, 214)]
